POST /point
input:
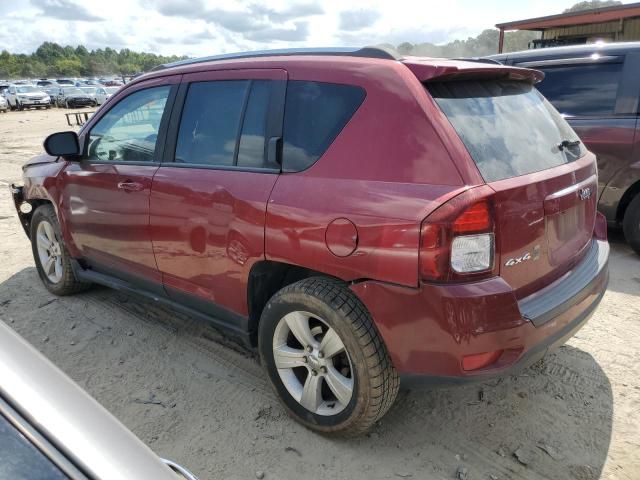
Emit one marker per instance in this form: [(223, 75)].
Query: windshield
[(508, 127), (69, 91), (27, 89), (88, 89), (111, 90)]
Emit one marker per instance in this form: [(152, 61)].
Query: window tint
[(210, 122), (508, 128), (20, 459), (315, 113), (582, 89), (129, 131)]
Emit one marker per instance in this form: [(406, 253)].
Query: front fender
[(42, 184)]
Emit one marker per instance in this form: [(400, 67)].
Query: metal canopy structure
[(603, 15)]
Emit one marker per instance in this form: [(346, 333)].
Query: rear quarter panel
[(385, 172)]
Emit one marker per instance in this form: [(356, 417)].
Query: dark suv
[(357, 217), (596, 88)]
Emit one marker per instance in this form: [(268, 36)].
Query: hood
[(39, 159), (32, 94)]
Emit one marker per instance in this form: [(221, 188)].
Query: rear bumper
[(428, 331)]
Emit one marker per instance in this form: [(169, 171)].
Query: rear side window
[(210, 122), (508, 127), (314, 115), (580, 90), (224, 124)]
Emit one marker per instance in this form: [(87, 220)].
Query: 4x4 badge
[(527, 256)]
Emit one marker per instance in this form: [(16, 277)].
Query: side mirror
[(62, 144)]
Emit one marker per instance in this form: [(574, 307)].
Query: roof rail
[(364, 52)]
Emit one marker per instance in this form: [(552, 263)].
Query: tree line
[(53, 60)]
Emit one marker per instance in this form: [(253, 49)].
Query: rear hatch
[(544, 179)]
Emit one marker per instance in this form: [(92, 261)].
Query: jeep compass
[(361, 219)]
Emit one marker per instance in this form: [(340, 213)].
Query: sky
[(206, 27)]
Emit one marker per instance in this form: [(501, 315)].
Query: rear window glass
[(314, 115), (508, 127), (579, 90)]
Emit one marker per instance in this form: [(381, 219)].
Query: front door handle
[(130, 186)]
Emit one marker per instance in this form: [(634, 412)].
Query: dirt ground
[(194, 398)]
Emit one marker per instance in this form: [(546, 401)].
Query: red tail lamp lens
[(480, 360), (476, 218)]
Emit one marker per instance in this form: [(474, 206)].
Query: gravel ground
[(195, 398)]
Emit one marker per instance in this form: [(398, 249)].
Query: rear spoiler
[(432, 70)]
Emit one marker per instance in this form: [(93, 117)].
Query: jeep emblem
[(584, 193)]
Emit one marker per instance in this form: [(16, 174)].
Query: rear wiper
[(568, 144)]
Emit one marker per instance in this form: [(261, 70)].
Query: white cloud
[(205, 27)]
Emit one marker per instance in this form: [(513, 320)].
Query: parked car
[(355, 229), (92, 93), (53, 93), (46, 83), (112, 83), (51, 429), (104, 93), (73, 97), (4, 106), (596, 89), (26, 96)]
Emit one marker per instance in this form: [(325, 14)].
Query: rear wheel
[(325, 358), (631, 224), (51, 257)]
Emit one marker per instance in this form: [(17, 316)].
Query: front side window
[(129, 131), (508, 127), (224, 123), (580, 90)]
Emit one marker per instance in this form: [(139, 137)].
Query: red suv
[(357, 217)]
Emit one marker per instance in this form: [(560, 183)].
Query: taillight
[(458, 240)]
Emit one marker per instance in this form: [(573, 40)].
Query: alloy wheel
[(313, 363), (49, 251)]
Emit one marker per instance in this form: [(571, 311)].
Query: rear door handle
[(130, 186)]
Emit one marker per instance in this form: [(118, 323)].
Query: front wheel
[(631, 224), (51, 257), (325, 359)]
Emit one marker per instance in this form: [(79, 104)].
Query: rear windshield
[(507, 126)]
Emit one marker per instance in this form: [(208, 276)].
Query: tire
[(66, 284), (329, 309), (631, 224)]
